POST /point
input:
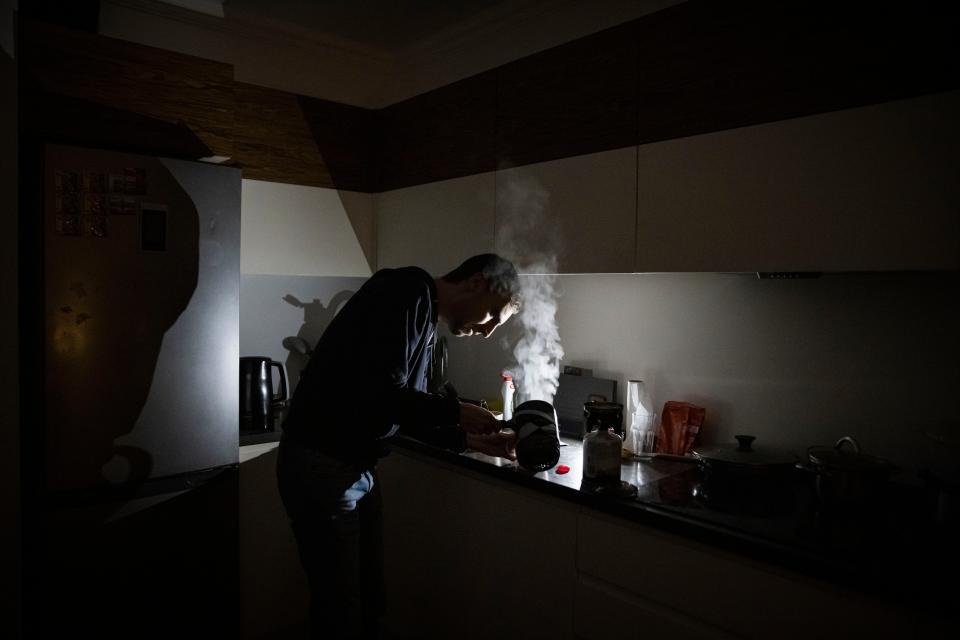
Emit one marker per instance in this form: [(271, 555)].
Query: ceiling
[(388, 25)]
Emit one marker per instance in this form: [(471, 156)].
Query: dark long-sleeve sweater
[(368, 374)]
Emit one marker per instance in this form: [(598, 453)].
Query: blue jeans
[(335, 513)]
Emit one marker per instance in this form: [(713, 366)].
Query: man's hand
[(477, 420), (502, 444)]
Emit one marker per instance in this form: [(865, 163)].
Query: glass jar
[(602, 448)]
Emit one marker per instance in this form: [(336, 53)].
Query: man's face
[(480, 311)]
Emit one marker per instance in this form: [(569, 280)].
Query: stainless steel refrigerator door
[(141, 272)]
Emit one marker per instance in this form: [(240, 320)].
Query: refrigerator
[(139, 455)]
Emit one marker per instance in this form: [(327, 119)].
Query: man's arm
[(433, 418)]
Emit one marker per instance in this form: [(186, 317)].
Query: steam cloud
[(527, 239)]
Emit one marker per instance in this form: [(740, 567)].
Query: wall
[(307, 231), (794, 362), (303, 252), (275, 307), (10, 568)]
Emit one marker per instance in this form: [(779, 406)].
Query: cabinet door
[(871, 188), (580, 211), (470, 558), (744, 597), (436, 225), (602, 612)]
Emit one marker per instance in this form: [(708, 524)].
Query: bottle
[(507, 390), (601, 455), (641, 433)]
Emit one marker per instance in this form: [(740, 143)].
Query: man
[(365, 380)]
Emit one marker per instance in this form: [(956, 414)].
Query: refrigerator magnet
[(94, 204), (66, 181), (135, 180), (67, 204), (95, 226), (95, 181), (153, 227), (116, 183), (67, 225)]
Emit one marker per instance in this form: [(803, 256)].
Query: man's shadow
[(316, 319)]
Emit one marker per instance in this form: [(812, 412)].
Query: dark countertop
[(261, 436), (891, 551)]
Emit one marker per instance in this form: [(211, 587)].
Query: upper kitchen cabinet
[(92, 90), (436, 225), (711, 66), (573, 215), (442, 134), (870, 188), (294, 139), (570, 100)]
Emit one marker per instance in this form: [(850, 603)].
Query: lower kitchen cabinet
[(603, 611), (706, 589), (274, 595), (472, 556), (467, 557)]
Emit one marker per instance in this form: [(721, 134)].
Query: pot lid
[(745, 454), (602, 408), (849, 459)]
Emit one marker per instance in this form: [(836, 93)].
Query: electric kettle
[(257, 399)]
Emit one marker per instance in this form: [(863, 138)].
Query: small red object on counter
[(562, 468)]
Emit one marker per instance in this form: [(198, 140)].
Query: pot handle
[(839, 445)]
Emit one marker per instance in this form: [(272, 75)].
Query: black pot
[(845, 476), (744, 460), (745, 479)]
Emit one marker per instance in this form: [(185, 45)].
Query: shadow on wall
[(316, 319)]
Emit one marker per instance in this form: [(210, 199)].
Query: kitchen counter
[(892, 552), (260, 436)]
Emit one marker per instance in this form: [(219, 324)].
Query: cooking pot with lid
[(845, 475), (744, 460), (745, 478)]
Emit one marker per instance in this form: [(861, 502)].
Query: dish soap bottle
[(507, 390), (601, 455)]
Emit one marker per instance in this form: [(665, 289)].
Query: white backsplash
[(793, 362)]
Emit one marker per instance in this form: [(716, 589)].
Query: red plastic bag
[(680, 424)]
